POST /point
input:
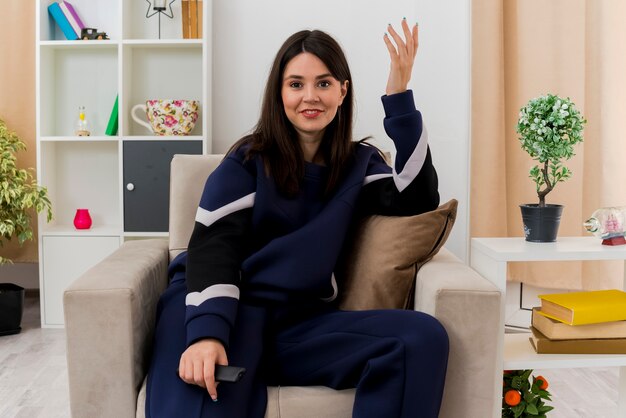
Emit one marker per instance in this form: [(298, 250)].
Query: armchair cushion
[(375, 279)]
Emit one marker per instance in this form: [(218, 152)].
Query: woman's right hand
[(197, 364), (402, 57)]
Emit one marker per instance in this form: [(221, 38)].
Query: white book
[(70, 18)]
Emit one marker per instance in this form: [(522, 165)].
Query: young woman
[(256, 287)]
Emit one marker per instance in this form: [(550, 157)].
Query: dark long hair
[(274, 137)]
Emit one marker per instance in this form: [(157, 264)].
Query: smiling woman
[(257, 289)]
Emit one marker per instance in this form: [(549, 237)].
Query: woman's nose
[(310, 94)]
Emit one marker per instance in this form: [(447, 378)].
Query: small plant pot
[(541, 224), (11, 308)]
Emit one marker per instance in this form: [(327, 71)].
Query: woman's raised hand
[(402, 56)]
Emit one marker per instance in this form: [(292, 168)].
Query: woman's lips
[(311, 113)]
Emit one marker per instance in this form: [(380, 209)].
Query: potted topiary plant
[(549, 127), (19, 195)]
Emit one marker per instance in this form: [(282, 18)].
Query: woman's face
[(311, 96)]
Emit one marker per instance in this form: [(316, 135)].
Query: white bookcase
[(90, 172)]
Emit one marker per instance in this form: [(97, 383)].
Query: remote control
[(226, 374)]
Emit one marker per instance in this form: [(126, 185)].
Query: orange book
[(185, 14), (193, 19), (200, 19)]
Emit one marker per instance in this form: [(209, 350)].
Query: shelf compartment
[(138, 26), (70, 231), (160, 72), (520, 355), (159, 43), (72, 77), (164, 138), (79, 138), (78, 44), (81, 175), (137, 236), (64, 260), (100, 14)]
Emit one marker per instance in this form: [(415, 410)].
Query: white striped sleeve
[(207, 217), (374, 177), (215, 291), (414, 163)]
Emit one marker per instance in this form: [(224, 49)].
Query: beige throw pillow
[(378, 269)]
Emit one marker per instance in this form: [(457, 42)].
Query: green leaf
[(518, 409), (516, 382), (528, 396), (535, 388), (543, 394), (532, 409)]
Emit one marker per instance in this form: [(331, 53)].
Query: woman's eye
[(324, 84), (295, 84)]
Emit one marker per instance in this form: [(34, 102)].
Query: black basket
[(11, 308)]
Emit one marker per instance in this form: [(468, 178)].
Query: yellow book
[(591, 307)]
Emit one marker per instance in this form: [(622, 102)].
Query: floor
[(33, 372), (33, 377)]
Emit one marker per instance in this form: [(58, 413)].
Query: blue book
[(58, 16)]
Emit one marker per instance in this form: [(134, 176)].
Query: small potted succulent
[(548, 127), (19, 196)]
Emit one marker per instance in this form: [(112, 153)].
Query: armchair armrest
[(109, 321), (468, 306)]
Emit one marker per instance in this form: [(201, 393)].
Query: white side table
[(490, 256)]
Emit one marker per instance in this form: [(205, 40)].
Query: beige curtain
[(17, 93), (522, 49)]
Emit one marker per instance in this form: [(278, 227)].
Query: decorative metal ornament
[(159, 7)]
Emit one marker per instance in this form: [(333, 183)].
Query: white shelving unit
[(490, 258), (90, 172)]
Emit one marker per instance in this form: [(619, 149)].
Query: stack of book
[(66, 17), (592, 322), (192, 19)]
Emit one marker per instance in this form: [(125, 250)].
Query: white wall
[(248, 33)]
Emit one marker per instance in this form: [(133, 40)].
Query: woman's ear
[(344, 90)]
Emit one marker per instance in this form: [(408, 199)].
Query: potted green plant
[(523, 397), (19, 196), (549, 127)]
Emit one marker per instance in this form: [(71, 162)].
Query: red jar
[(82, 220)]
